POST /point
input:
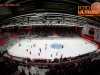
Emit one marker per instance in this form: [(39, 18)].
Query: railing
[(9, 47), (12, 43)]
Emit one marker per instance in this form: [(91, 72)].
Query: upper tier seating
[(0, 44), (14, 35), (3, 40)]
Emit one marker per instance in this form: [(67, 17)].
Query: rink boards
[(71, 47)]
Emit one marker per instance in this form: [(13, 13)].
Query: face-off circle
[(56, 46)]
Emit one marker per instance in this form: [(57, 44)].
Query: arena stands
[(43, 20), (8, 66), (13, 36), (0, 44), (87, 64), (49, 31), (82, 65), (3, 41)]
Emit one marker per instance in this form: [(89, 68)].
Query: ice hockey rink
[(51, 48)]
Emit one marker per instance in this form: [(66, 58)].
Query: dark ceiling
[(33, 6)]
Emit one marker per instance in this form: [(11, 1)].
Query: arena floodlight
[(35, 16)]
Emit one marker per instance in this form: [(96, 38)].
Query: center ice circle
[(56, 46)]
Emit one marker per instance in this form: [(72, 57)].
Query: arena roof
[(37, 6)]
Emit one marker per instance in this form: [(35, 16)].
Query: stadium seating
[(13, 36), (3, 40), (0, 44)]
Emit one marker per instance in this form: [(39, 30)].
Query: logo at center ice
[(56, 46)]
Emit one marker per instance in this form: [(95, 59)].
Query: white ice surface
[(72, 48)]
